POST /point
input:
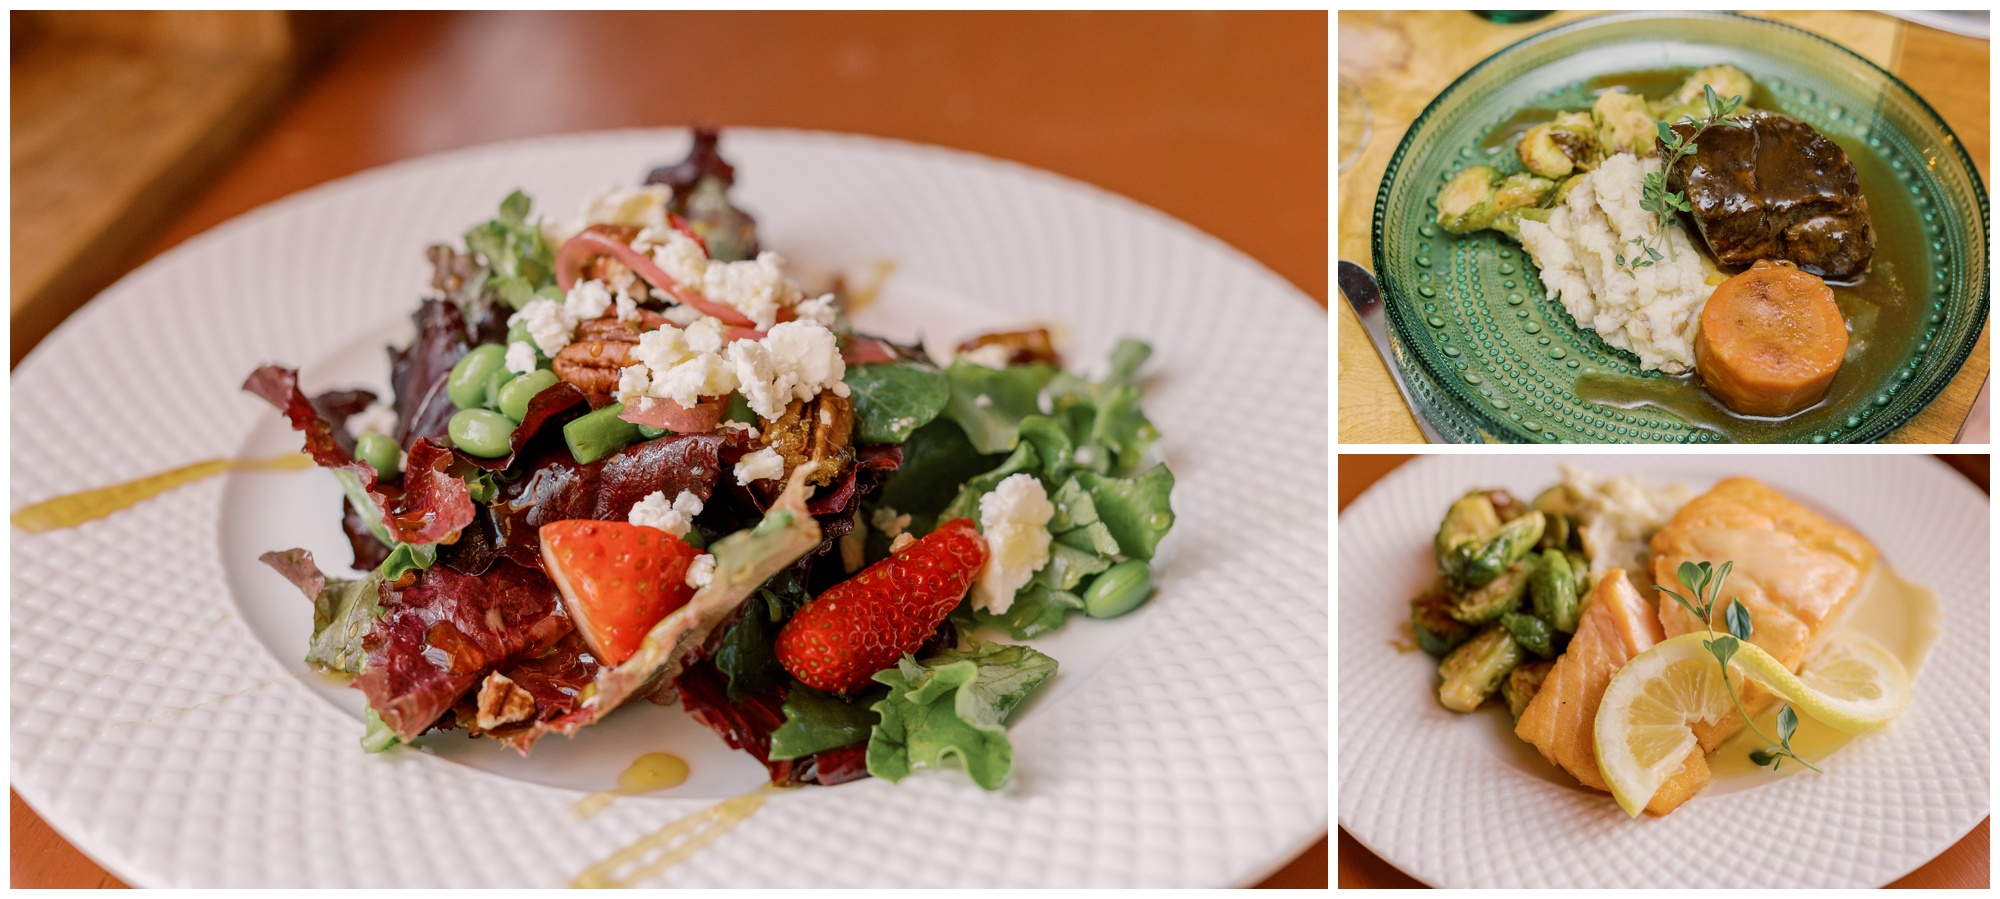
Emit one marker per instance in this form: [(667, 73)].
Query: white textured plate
[(1455, 800), (161, 721)]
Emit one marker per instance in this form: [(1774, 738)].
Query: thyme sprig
[(1654, 196), (1697, 579)]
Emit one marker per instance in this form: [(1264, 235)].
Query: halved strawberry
[(864, 624), (617, 580)]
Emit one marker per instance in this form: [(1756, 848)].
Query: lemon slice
[(1642, 734)]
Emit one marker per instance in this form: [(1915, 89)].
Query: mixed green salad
[(628, 457)]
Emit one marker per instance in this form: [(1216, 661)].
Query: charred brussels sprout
[(1521, 191), (1522, 684), (1534, 634), (1625, 124), (1473, 672), (1553, 589), (1562, 191), (1499, 596), (1560, 147), (1466, 204), (1728, 81), (1509, 544), (1506, 505), (1466, 525), (1509, 222), (1556, 535), (1430, 616)]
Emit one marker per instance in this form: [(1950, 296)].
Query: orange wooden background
[(1966, 865), (1218, 119)]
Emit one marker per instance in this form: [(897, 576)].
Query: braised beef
[(1768, 186)]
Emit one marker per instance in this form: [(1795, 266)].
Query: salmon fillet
[(1561, 720), (1793, 570)]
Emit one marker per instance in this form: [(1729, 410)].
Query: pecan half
[(501, 701), (821, 430), (1023, 347), (592, 361)]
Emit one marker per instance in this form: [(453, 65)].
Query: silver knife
[(1361, 291)]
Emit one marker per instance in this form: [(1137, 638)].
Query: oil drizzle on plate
[(77, 508), (674, 843), (648, 773)]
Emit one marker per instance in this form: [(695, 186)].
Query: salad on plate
[(628, 457)]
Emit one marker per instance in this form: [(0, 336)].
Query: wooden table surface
[(1217, 119), (1402, 60), (1966, 865)]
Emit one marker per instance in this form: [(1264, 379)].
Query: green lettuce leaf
[(954, 707), (1037, 609), (892, 400), (1067, 567), (1137, 510), (816, 721), (376, 735), (936, 460), (744, 653), (966, 504), (989, 403), (518, 264)]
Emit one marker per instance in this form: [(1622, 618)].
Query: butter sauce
[(1902, 617), (74, 509), (674, 843), (648, 773)]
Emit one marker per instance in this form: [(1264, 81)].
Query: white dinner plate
[(1458, 801), (163, 721)]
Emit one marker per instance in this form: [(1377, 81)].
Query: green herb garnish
[(1655, 198), (1697, 579)]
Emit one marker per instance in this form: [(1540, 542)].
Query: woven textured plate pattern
[(154, 728), (1457, 801)]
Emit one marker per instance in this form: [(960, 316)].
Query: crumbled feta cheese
[(654, 511), (888, 522), (762, 465), (587, 300), (681, 316), (756, 287), (520, 357), (661, 349), (378, 418), (701, 375), (633, 382), (795, 360), (818, 310), (705, 335), (992, 355), (1085, 455), (644, 206), (701, 571), (1015, 519), (676, 254), (628, 308), (548, 325), (983, 401)]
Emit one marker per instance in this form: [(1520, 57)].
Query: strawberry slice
[(864, 624), (617, 580)]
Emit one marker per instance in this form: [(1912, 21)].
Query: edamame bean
[(515, 394), (481, 432), (467, 384), (1120, 589), (381, 451), (599, 434)]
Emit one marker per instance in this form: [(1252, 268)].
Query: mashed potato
[(1652, 312), (1618, 517)]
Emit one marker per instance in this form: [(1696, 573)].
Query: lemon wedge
[(1642, 734)]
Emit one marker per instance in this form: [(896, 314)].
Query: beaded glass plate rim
[(1490, 423)]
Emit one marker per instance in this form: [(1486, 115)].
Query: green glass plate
[(1489, 357)]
